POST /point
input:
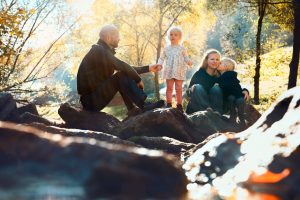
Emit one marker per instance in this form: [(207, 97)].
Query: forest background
[(43, 42)]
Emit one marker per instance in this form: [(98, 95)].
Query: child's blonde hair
[(229, 63), (175, 29)]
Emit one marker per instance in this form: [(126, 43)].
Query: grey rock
[(28, 107), (81, 119), (159, 122), (8, 108), (28, 118)]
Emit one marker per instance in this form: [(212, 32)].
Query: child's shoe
[(169, 105), (179, 108)]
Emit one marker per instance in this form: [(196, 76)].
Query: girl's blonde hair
[(204, 64), (230, 63), (176, 29)]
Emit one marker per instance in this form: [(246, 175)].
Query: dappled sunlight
[(192, 165), (144, 151), (273, 77), (49, 112)]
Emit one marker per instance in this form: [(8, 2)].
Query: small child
[(232, 90), (175, 57)]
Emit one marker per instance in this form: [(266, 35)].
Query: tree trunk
[(296, 46), (159, 42), (261, 12), (257, 63), (156, 73)]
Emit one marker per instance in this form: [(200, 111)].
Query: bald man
[(101, 75)]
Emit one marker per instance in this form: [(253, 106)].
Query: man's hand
[(246, 95), (155, 67), (140, 85)]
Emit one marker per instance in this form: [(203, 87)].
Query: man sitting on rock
[(101, 75)]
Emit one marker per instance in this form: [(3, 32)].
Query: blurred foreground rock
[(35, 164), (100, 136), (261, 162), (166, 144)]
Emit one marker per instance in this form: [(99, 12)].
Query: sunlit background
[(44, 68), (43, 42)]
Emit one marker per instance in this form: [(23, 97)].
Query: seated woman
[(203, 92)]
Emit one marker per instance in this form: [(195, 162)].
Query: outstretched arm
[(142, 70), (148, 68), (155, 67)]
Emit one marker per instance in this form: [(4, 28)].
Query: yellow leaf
[(32, 11)]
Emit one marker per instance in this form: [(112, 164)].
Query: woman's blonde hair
[(204, 64)]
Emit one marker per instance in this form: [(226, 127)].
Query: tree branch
[(174, 19), (49, 48), (20, 48)]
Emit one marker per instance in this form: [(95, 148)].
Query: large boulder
[(35, 164), (260, 162), (160, 122), (172, 123), (82, 119), (212, 122)]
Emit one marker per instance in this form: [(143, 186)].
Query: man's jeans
[(200, 99), (119, 82)]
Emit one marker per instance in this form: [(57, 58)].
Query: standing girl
[(176, 60)]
